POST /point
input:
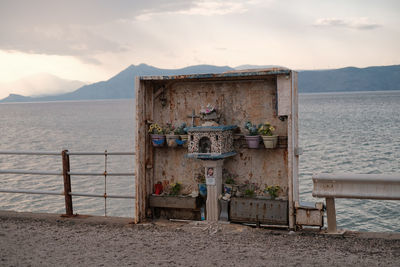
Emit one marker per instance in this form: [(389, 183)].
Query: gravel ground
[(49, 240)]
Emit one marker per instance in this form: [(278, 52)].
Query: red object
[(158, 188)]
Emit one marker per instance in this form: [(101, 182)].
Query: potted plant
[(248, 190), (272, 190), (175, 189), (267, 133), (157, 135), (181, 131), (253, 138), (170, 135), (172, 197), (230, 186)]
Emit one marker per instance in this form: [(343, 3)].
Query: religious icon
[(210, 172)]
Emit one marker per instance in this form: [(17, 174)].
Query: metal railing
[(359, 186), (66, 173)]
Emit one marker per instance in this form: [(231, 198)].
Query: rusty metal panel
[(177, 202), (238, 101), (259, 210), (309, 213), (310, 217)]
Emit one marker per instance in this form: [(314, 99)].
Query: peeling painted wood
[(284, 87)]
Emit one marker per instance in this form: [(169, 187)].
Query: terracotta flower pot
[(270, 141), (157, 140), (253, 141)]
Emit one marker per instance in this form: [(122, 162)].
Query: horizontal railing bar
[(352, 177), (100, 153), (100, 195), (70, 173), (29, 172), (102, 173), (37, 192), (40, 192), (39, 153), (360, 186), (53, 153)]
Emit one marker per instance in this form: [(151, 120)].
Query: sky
[(93, 40)]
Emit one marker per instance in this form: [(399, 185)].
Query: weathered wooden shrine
[(215, 109)]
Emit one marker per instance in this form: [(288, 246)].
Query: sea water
[(339, 132)]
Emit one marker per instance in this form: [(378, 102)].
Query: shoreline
[(49, 239)]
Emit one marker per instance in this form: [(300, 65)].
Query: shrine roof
[(211, 128), (242, 74), (210, 156)]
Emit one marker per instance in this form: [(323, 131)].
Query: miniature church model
[(210, 141)]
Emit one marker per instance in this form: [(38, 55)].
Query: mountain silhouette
[(122, 85)]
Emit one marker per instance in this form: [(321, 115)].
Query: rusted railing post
[(67, 183)]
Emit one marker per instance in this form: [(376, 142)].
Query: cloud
[(87, 29), (209, 8), (362, 23), (64, 40), (73, 28), (202, 8)]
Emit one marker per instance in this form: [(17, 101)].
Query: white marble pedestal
[(213, 173)]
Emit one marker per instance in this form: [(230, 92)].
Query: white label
[(210, 181)]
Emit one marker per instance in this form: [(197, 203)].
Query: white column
[(213, 173)]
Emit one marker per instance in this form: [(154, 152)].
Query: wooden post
[(141, 149), (331, 214), (67, 183)]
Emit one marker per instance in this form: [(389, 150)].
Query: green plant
[(154, 128), (272, 190), (230, 180), (249, 193), (251, 128), (249, 189), (175, 188), (181, 129), (169, 129), (228, 177), (266, 129)]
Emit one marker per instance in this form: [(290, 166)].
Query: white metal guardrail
[(360, 186), (66, 173)]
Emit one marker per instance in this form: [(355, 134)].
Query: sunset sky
[(94, 40)]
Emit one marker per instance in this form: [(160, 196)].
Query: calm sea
[(339, 132)]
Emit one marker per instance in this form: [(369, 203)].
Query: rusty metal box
[(177, 202), (310, 214), (266, 211)]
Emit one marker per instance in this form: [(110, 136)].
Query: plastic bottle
[(202, 212)]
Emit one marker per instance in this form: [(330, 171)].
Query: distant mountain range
[(40, 84), (350, 79), (122, 85)]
